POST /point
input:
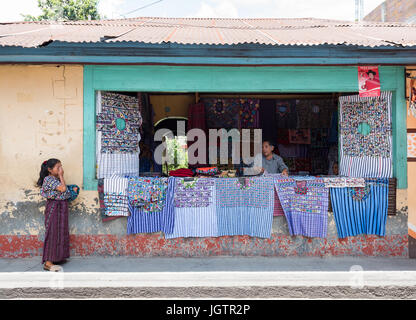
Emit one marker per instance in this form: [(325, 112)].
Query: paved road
[(211, 277)]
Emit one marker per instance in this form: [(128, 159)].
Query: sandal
[(53, 268)]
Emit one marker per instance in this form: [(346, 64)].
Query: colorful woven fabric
[(119, 122), (245, 211), (194, 193), (100, 189), (363, 213), (245, 192), (140, 221), (115, 196), (195, 221), (302, 136), (49, 191), (286, 114), (74, 194), (147, 193), (366, 136), (277, 209), (209, 171), (249, 113), (306, 213), (314, 113), (343, 182), (222, 113)]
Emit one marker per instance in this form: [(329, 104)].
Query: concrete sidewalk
[(211, 277)]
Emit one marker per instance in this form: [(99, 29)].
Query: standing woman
[(54, 189)]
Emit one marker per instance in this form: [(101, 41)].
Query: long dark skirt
[(56, 244)]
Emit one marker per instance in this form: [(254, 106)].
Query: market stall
[(200, 201)]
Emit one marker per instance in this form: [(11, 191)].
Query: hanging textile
[(245, 206), (249, 113), (196, 116), (147, 193), (313, 113), (143, 221), (286, 116), (361, 210), (343, 182), (305, 204), (277, 209), (195, 208), (117, 163), (267, 117), (366, 136), (100, 189), (115, 196), (221, 113), (119, 121), (302, 136)]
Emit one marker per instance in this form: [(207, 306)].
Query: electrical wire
[(143, 7)]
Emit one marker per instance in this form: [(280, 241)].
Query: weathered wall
[(42, 113), (171, 105)]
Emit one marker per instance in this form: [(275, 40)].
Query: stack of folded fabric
[(207, 171), (181, 173), (115, 196)]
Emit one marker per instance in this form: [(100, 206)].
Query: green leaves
[(62, 10)]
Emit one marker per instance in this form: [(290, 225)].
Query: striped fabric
[(354, 217), (141, 221), (117, 163), (196, 221), (366, 165), (245, 210), (306, 214), (115, 196), (277, 208)]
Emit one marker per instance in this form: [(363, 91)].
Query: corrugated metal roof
[(210, 31)]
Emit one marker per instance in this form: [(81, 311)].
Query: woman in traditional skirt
[(54, 189)]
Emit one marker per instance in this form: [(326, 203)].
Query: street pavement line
[(205, 279)]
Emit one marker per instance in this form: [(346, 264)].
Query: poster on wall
[(411, 146), (368, 81)]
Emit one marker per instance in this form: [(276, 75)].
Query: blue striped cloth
[(354, 217), (141, 221), (306, 214), (195, 221)]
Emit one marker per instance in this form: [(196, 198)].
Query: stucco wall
[(41, 109)]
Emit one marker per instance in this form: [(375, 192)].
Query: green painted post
[(400, 130), (90, 181)]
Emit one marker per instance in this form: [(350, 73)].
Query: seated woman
[(270, 162)]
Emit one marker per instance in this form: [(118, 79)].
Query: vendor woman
[(270, 162)]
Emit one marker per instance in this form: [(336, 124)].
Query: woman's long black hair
[(44, 172)]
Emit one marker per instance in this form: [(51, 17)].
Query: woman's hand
[(61, 171), (285, 172)]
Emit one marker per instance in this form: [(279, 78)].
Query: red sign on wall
[(368, 81)]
